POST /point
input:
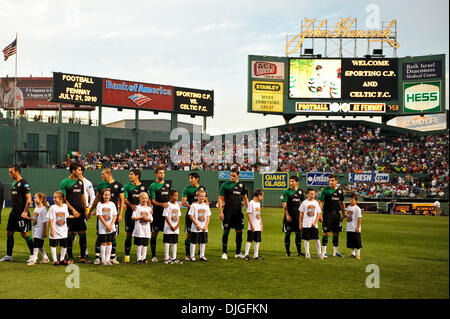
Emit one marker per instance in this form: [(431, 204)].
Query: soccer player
[(73, 191), (89, 195), (309, 218), (40, 220), (142, 216), (354, 217), (189, 197), (57, 219), (200, 215), (132, 191), (171, 228), (292, 198), (255, 225), (231, 195), (159, 197), (437, 207), (118, 198), (21, 201), (331, 201)]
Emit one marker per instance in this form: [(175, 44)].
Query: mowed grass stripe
[(412, 253)]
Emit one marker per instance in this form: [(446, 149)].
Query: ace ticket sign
[(76, 89), (193, 101)]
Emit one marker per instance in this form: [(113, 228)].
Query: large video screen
[(348, 79), (315, 78)]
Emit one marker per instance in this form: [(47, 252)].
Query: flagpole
[(15, 109)]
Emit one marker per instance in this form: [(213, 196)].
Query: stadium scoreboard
[(346, 86), (88, 90)]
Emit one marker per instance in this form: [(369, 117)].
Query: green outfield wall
[(47, 180)]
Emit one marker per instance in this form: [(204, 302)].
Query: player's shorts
[(76, 224), (311, 233), (233, 219), (38, 243), (354, 240), (157, 223), (291, 226), (170, 238), (253, 236), (141, 241), (61, 242), (187, 223), (106, 238), (332, 222), (17, 224), (129, 223), (199, 238), (116, 233)]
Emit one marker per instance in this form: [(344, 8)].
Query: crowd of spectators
[(322, 147)]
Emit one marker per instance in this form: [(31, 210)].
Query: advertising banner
[(317, 179), (137, 95), (275, 181), (423, 123), (415, 209), (267, 96), (422, 70), (368, 177), (422, 97), (32, 93), (242, 175), (268, 70)]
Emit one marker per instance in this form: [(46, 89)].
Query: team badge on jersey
[(116, 186), (18, 185), (79, 182), (240, 185), (142, 188), (167, 185)]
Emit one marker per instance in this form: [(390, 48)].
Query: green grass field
[(412, 253)]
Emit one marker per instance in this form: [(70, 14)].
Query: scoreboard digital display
[(89, 90), (346, 86), (77, 89)]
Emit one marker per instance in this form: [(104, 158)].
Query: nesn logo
[(139, 99)]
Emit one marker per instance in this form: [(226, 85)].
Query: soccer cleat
[(176, 261), (30, 259), (288, 254), (358, 257), (45, 261), (114, 261), (97, 261), (239, 256), (258, 258), (301, 254), (70, 261), (7, 258), (56, 263), (203, 258), (307, 255), (352, 256), (31, 263), (154, 259), (106, 263), (193, 259), (126, 259), (321, 256), (337, 255), (224, 256), (247, 258), (139, 262), (64, 262), (168, 261), (187, 258), (84, 261), (325, 255), (144, 261)]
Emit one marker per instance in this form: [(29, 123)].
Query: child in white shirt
[(142, 217), (255, 225), (171, 230), (199, 213), (309, 217)]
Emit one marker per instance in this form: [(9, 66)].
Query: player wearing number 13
[(21, 200)]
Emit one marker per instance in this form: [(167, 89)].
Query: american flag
[(10, 49), (139, 99)]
